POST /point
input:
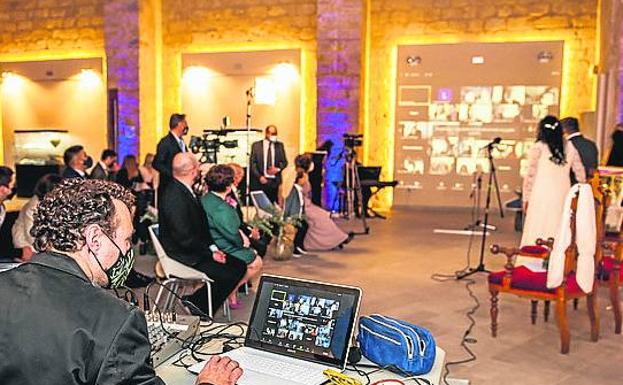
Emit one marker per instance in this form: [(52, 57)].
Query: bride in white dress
[(547, 183)]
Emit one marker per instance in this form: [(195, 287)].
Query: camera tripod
[(352, 188)]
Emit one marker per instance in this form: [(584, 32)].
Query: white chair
[(176, 273)]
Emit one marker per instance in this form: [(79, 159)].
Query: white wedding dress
[(545, 187)]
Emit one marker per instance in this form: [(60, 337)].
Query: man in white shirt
[(104, 168), (76, 162), (268, 160)]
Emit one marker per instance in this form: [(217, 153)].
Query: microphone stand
[(247, 193), (492, 183)]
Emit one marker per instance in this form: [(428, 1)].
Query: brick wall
[(453, 21), (29, 26)]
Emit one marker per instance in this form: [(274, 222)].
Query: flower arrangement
[(282, 229)]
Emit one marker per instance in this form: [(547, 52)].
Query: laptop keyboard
[(286, 370)]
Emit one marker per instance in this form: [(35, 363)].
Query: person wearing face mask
[(268, 160), (225, 223), (65, 329), (76, 163), (7, 190), (185, 234), (168, 147)]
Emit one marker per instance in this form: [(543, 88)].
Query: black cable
[(466, 339), (185, 302)]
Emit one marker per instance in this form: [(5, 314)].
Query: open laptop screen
[(303, 319)]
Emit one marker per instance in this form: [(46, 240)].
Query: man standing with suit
[(268, 160), (76, 163), (185, 233), (104, 168), (168, 147), (586, 147)]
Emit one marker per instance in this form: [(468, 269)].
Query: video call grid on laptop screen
[(305, 320)]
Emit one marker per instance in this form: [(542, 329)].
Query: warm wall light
[(89, 78), (196, 75), (265, 90), (285, 74), (11, 82)]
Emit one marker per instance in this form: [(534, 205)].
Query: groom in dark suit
[(268, 160), (586, 147), (185, 233), (295, 207), (168, 147)]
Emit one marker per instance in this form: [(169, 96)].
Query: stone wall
[(453, 21), (239, 25), (36, 26)]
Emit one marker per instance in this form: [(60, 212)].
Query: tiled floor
[(394, 265)]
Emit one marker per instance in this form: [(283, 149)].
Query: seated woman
[(225, 224), (21, 228), (322, 232)]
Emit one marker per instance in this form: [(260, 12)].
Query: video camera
[(209, 144), (353, 140)]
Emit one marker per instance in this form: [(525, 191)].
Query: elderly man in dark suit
[(185, 233), (104, 168), (268, 160), (586, 147), (65, 329), (76, 163), (168, 147)]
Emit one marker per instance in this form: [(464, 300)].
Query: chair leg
[(210, 304), (494, 312), (591, 304), (616, 303), (546, 311), (563, 325), (576, 301), (533, 311)]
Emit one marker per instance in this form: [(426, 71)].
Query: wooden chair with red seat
[(525, 283)]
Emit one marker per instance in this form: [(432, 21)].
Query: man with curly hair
[(64, 329)]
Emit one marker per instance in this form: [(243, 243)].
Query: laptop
[(297, 329), (262, 204)]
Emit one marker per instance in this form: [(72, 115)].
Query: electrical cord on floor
[(466, 339)]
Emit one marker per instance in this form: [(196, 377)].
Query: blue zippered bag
[(396, 345)]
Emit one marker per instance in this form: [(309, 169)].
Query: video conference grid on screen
[(301, 322)]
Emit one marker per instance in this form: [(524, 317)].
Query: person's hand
[(263, 179), (245, 239), (255, 233), (220, 371), (273, 171), (219, 256), (27, 253)]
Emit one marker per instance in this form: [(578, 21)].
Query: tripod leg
[(497, 188), (357, 186)]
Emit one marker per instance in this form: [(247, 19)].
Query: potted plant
[(281, 229)]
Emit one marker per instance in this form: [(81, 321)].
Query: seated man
[(185, 233), (76, 163), (64, 328), (259, 241), (295, 207), (225, 223)]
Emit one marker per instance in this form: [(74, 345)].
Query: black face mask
[(88, 162), (185, 130)]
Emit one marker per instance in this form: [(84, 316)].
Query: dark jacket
[(98, 172), (293, 204), (69, 172), (616, 153), (588, 154), (60, 329), (167, 148), (184, 230), (257, 163)]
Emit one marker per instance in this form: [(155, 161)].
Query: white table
[(174, 375)]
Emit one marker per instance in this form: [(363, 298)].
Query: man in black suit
[(268, 160), (168, 147), (65, 328), (586, 147), (76, 163), (185, 234), (104, 168), (295, 207)]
